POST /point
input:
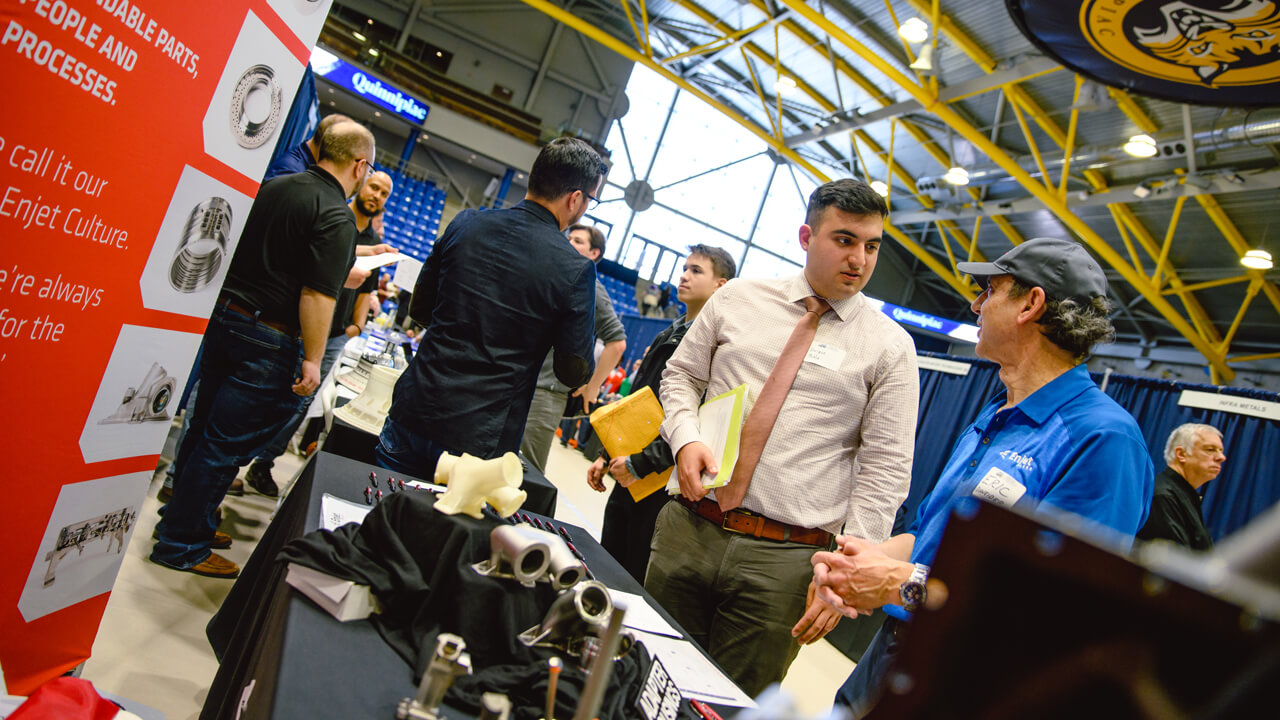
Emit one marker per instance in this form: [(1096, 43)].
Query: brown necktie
[(759, 423)]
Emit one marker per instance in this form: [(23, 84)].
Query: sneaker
[(237, 488), (214, 566), (221, 540), (259, 478)]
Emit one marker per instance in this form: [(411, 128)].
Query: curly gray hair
[(1070, 324)]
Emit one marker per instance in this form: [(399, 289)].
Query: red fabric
[(65, 698)]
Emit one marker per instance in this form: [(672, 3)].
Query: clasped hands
[(858, 576)]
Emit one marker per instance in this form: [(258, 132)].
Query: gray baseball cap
[(1062, 267)]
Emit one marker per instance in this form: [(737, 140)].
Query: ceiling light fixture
[(359, 37), (914, 30), (957, 176), (785, 85), (1141, 146), (924, 63), (1257, 259), (377, 114), (374, 52), (880, 187)]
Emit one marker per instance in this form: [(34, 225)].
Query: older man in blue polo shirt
[(1052, 439)]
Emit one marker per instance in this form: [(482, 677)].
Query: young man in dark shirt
[(1194, 456), (500, 289), (347, 322), (265, 340), (628, 524)]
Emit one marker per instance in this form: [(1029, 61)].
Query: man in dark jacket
[(1194, 456), (500, 289), (628, 524)]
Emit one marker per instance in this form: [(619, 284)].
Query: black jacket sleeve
[(655, 458)]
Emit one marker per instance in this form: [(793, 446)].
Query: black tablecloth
[(352, 442), (283, 657)]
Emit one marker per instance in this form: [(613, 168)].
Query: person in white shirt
[(832, 452)]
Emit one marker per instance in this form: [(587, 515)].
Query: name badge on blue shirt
[(999, 488)]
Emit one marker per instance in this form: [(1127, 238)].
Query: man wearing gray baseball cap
[(1051, 440)]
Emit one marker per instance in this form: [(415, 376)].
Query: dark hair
[(345, 142), (847, 195), (722, 263), (1070, 324), (565, 165), (596, 235)]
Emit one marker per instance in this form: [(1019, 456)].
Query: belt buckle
[(725, 519)]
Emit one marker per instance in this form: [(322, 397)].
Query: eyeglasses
[(592, 200)]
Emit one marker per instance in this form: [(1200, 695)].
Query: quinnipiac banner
[(134, 136)]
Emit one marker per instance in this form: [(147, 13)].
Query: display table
[(283, 657), (357, 444)]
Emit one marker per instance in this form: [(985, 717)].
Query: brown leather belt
[(748, 523), (239, 309)]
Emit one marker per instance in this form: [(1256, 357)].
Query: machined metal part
[(602, 667), (250, 132), (113, 527), (587, 650), (577, 613), (515, 555), (203, 245), (450, 661), (147, 402), (566, 569), (494, 706)]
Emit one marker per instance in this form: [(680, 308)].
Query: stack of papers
[(720, 425), (695, 675), (342, 599)]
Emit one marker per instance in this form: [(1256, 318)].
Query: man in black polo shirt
[(347, 321), (500, 289), (293, 258), (303, 155)]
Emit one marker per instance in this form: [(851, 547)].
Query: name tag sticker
[(998, 487), (825, 355)]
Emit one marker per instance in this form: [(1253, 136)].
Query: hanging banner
[(1207, 52), (133, 141)]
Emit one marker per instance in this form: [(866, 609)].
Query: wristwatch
[(912, 592)]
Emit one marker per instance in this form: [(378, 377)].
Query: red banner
[(134, 136)]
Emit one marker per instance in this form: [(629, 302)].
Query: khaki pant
[(545, 413), (737, 596)]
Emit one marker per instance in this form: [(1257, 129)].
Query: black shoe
[(165, 494), (259, 478)]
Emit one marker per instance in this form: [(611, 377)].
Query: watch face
[(912, 595)]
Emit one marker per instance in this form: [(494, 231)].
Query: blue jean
[(279, 443), (247, 372), (865, 684), (404, 451)]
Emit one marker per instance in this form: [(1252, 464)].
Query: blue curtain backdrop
[(1249, 483), (303, 116), (948, 403)]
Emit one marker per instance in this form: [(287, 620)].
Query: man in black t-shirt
[(265, 339), (348, 319)]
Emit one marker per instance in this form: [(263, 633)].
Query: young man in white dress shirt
[(734, 570)]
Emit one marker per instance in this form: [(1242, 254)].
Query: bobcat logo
[(1212, 43)]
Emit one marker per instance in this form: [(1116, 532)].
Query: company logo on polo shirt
[(1205, 42), (403, 104), (1022, 462)]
